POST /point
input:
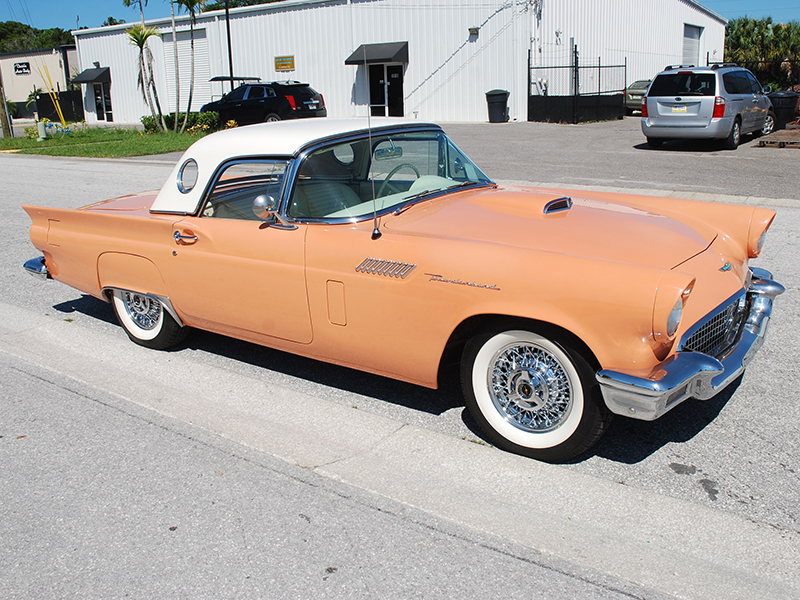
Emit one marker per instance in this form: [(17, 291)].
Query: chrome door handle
[(184, 238)]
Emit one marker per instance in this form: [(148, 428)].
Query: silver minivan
[(719, 102)]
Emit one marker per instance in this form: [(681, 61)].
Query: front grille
[(718, 333)]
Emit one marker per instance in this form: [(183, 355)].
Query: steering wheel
[(391, 174)]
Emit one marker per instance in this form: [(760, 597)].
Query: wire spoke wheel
[(145, 321), (532, 395)]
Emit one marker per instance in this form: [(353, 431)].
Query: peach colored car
[(388, 250)]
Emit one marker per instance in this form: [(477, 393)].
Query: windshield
[(341, 181)]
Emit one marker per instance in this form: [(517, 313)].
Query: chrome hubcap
[(143, 310), (530, 388)]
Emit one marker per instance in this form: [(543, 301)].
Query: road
[(703, 500)]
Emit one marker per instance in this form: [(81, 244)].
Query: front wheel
[(769, 124), (532, 396), (145, 321)]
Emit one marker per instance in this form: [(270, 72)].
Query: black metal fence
[(780, 74), (576, 93), (71, 103)]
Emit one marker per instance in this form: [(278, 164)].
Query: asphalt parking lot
[(702, 502)]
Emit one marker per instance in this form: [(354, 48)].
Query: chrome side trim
[(647, 396), (164, 300), (37, 268), (388, 268)]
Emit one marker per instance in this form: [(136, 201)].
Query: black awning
[(98, 75), (392, 52)]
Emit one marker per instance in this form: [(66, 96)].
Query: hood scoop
[(557, 205)]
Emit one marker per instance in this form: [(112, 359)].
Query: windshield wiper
[(411, 200)]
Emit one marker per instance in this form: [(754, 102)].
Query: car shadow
[(408, 395), (630, 441), (627, 441), (698, 146), (89, 306)]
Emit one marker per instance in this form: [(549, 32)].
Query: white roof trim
[(282, 139)]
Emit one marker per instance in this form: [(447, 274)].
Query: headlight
[(675, 317), (759, 224), (671, 295)]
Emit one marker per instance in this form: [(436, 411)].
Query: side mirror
[(264, 206), (767, 89)]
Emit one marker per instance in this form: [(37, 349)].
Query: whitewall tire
[(532, 395), (145, 321)]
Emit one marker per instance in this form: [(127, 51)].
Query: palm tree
[(192, 7), (177, 70), (138, 35), (140, 3)]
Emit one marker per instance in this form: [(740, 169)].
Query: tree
[(177, 69), (138, 35), (112, 21), (140, 3), (192, 7)]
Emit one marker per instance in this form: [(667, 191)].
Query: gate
[(576, 93)]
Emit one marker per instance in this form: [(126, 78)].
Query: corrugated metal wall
[(449, 69), (648, 34)]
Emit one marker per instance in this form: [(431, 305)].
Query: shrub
[(207, 121)]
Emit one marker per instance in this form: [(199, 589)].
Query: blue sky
[(44, 14)]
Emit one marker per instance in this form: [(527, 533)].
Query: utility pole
[(230, 56)]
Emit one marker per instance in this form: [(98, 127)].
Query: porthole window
[(187, 176)]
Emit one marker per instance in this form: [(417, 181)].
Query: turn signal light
[(719, 108)]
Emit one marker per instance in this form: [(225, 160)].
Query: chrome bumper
[(691, 374), (37, 268)]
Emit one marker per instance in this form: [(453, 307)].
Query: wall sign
[(284, 63), (22, 68)]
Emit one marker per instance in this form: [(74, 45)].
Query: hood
[(591, 227)]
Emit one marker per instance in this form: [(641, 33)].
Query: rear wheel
[(272, 118), (654, 142), (532, 395), (735, 136), (145, 321)]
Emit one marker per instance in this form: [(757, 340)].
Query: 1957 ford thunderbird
[(386, 249)]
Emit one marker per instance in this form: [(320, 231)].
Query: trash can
[(498, 106), (784, 104)]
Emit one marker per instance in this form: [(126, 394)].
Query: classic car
[(384, 248)]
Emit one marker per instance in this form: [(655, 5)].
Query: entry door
[(394, 90), (377, 90), (102, 101)]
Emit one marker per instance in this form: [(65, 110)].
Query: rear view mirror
[(387, 153)]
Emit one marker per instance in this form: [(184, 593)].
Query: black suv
[(264, 102)]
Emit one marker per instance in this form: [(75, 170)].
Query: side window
[(236, 94), (755, 87), (239, 183), (729, 81), (270, 92), (255, 92)]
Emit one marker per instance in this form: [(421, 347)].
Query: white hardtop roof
[(281, 139)]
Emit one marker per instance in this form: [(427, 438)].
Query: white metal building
[(426, 59)]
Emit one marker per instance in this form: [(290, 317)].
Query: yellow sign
[(284, 63)]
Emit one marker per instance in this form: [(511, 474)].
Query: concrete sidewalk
[(667, 545)]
